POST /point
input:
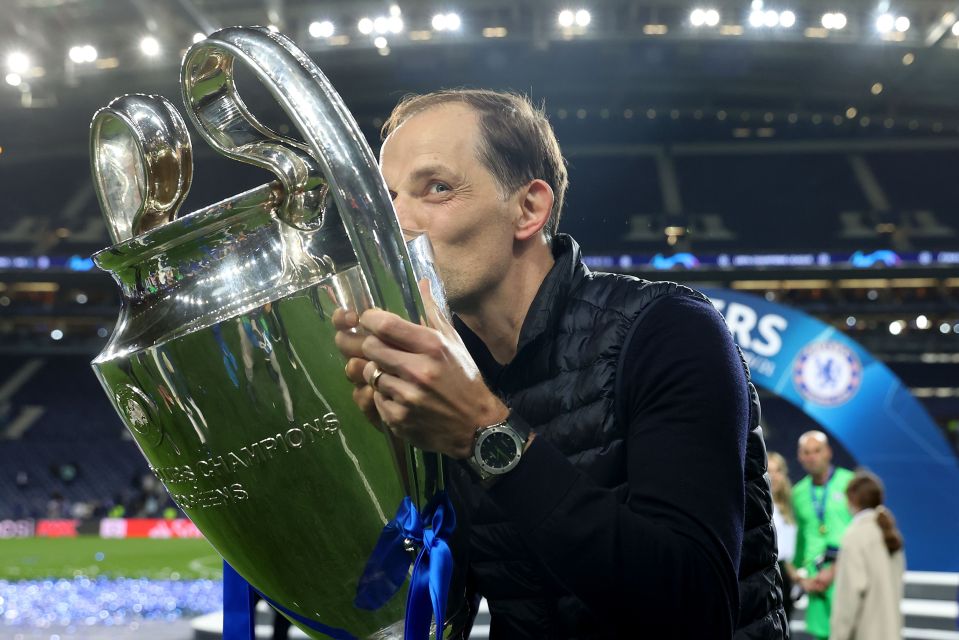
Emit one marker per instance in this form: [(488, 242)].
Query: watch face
[(498, 450)]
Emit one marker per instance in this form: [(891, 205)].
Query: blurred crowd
[(839, 545), (144, 497)]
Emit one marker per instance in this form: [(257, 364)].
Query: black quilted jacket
[(563, 382)]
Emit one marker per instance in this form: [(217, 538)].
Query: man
[(822, 515), (603, 419)]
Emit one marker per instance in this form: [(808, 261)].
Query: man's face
[(814, 455), (439, 186)]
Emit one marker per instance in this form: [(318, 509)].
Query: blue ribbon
[(237, 606), (389, 564), (430, 582), (383, 576)]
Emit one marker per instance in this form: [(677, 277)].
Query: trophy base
[(210, 627)]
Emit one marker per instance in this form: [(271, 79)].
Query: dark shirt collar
[(545, 311)]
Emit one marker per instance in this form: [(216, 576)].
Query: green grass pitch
[(91, 556)]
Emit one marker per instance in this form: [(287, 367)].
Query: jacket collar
[(550, 301)]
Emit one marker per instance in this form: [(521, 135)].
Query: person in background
[(819, 505), (870, 568), (785, 522)]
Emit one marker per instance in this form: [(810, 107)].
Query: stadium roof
[(632, 59)]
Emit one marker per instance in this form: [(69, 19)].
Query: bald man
[(822, 515)]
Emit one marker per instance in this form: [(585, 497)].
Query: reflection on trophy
[(222, 363)]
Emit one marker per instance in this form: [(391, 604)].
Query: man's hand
[(820, 582), (825, 577), (431, 392), (349, 340)]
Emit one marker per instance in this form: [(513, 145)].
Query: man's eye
[(438, 187)]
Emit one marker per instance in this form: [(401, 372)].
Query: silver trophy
[(223, 364)]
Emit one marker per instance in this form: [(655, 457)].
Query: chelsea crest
[(827, 373)]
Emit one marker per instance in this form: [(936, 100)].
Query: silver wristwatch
[(497, 449)]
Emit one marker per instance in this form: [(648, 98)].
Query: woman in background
[(869, 569), (785, 523)]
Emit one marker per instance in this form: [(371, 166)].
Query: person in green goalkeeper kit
[(822, 515)]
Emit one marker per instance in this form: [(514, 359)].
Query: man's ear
[(535, 204)]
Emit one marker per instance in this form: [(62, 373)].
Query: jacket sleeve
[(850, 587), (673, 544)]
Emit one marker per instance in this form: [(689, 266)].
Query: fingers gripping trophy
[(223, 363)]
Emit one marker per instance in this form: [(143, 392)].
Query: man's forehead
[(813, 439), (446, 129)]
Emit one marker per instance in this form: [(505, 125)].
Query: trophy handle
[(142, 163), (334, 147)]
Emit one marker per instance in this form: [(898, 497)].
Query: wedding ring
[(375, 378)]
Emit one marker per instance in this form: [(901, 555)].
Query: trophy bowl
[(223, 364)]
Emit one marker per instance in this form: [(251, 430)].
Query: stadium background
[(804, 153)]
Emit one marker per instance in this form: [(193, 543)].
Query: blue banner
[(861, 403)]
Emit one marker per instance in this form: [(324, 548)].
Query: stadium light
[(955, 29), (944, 328), (395, 24), (150, 46), (712, 17), (13, 79), (446, 22), (583, 18), (902, 24), (697, 17), (84, 53), (365, 26), (380, 42), (18, 62), (896, 327), (922, 322), (758, 17), (834, 21), (566, 18), (381, 24), (323, 29), (56, 334), (885, 23)]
